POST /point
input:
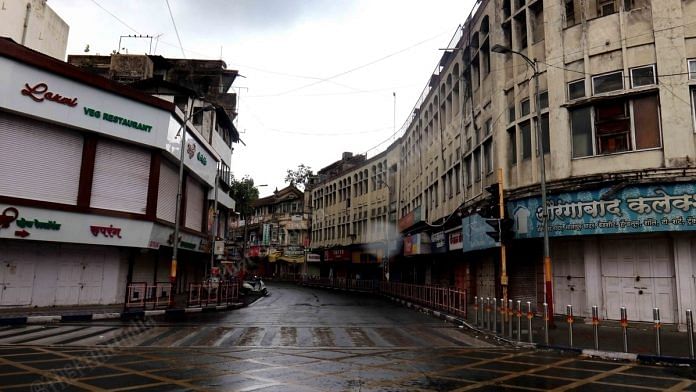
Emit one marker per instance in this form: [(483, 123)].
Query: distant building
[(34, 24)]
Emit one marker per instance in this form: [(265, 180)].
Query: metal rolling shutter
[(166, 197), (194, 204), (121, 174), (522, 282), (39, 161)]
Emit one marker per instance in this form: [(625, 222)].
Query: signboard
[(633, 209), (455, 240), (474, 236), (410, 219), (64, 101), (32, 223), (336, 255), (266, 239), (416, 244), (313, 258), (438, 244), (196, 154)]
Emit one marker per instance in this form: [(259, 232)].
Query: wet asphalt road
[(301, 339)]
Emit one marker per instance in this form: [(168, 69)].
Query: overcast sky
[(319, 75)]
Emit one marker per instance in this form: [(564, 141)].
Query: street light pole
[(548, 279), (385, 267), (177, 220)]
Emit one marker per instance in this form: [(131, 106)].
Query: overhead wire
[(176, 30)]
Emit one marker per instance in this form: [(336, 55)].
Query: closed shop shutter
[(121, 175), (194, 204), (522, 282), (39, 161), (485, 278), (168, 188)]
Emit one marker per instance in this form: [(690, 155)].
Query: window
[(513, 146), (526, 134), (692, 69), (511, 114), (488, 127), (570, 12), (546, 142), (626, 124), (488, 155), (606, 7), (607, 83), (477, 165), (576, 89), (643, 76), (524, 107), (544, 100)]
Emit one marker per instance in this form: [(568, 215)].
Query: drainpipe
[(26, 24)]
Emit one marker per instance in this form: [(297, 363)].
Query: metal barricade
[(137, 293)]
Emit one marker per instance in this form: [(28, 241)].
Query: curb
[(124, 316)]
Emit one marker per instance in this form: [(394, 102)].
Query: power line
[(115, 17), (175, 29)]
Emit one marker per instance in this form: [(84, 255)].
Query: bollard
[(476, 320), (487, 321), (519, 320), (595, 326), (530, 316), (690, 331), (482, 312), (624, 328), (511, 311), (569, 318), (494, 326), (658, 326), (503, 314), (546, 323)]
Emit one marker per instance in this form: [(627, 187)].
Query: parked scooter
[(254, 286)]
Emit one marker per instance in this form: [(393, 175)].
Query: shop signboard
[(454, 239), (438, 244), (417, 244), (313, 258), (631, 209), (64, 101), (410, 219)]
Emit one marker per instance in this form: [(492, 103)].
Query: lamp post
[(548, 285), (177, 220)]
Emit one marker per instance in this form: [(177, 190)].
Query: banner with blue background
[(632, 209)]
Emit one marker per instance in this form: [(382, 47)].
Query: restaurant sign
[(633, 209)]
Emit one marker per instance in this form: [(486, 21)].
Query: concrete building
[(190, 85), (275, 237), (616, 99), (35, 25)]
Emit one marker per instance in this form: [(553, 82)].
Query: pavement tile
[(592, 365), (229, 382), (597, 387), (120, 381), (531, 381), (497, 388), (21, 378), (183, 373), (472, 374), (36, 356), (48, 387), (149, 365), (430, 382), (5, 369), (663, 371), (639, 381), (567, 373), (505, 366)]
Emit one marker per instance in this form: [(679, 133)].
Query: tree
[(299, 177), (244, 193)]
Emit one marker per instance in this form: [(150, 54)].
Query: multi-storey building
[(351, 201), (89, 185), (616, 121), (274, 238)]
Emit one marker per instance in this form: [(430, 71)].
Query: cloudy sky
[(319, 75)]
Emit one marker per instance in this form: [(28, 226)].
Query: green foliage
[(299, 177), (244, 193)]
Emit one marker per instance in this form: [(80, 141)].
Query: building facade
[(615, 106), (275, 237), (89, 186), (35, 25)]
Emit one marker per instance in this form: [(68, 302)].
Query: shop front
[(632, 247)]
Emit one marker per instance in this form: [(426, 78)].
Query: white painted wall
[(46, 31)]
